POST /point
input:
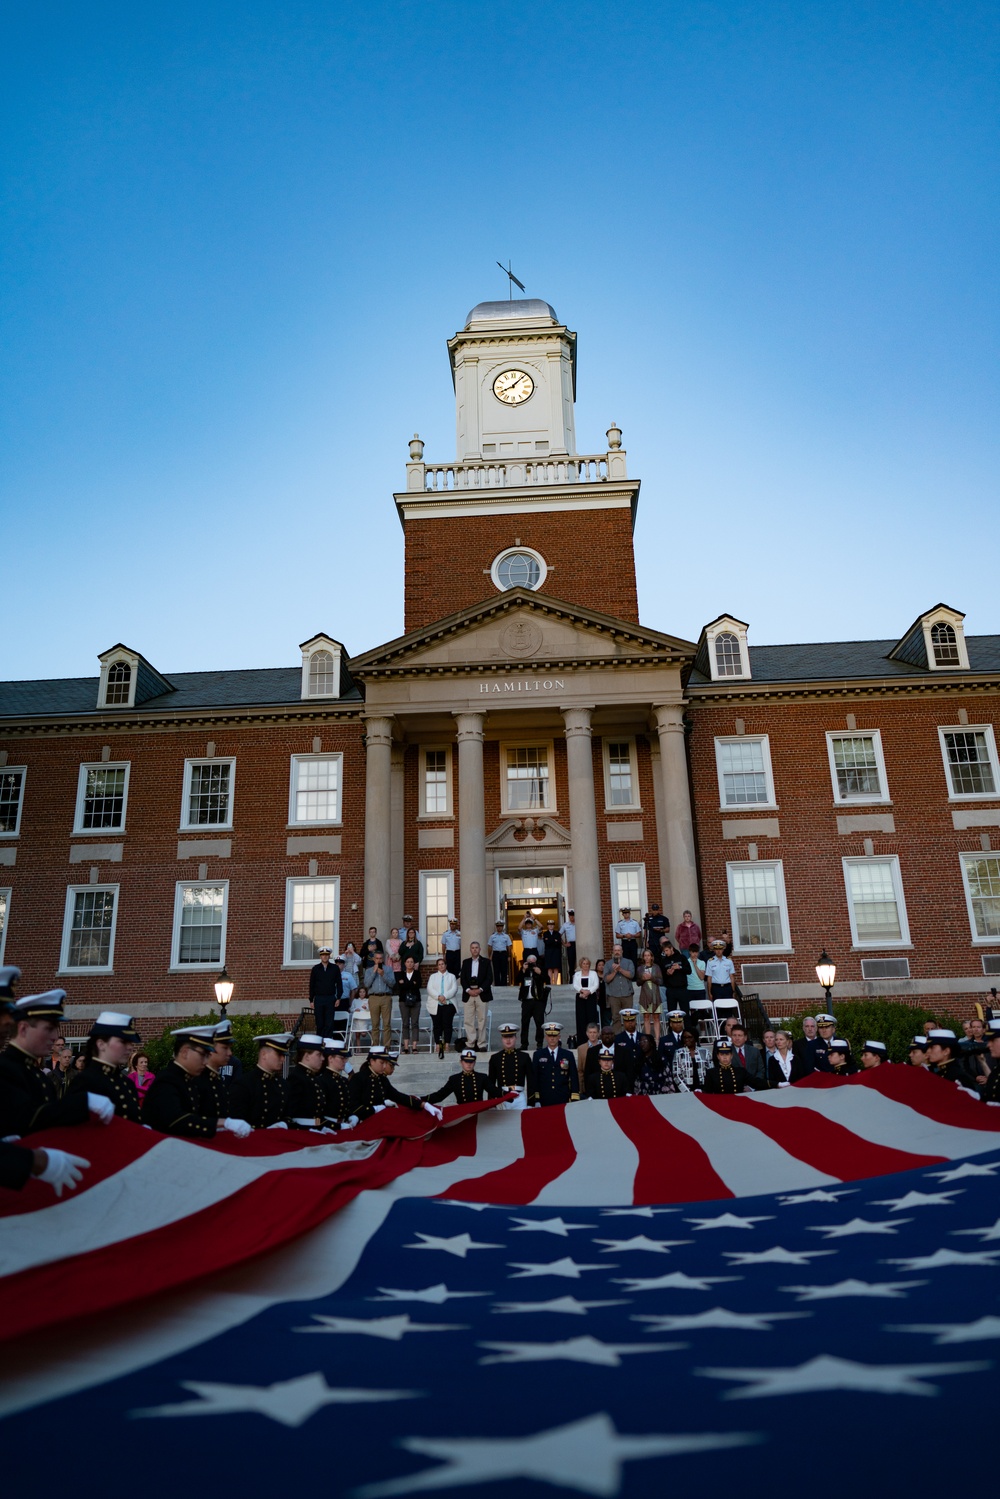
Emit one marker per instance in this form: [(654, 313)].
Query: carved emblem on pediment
[(520, 638)]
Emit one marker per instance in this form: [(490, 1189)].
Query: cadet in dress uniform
[(372, 1090), (873, 1054), (111, 1036), (944, 1054), (723, 1076), (337, 1084), (988, 1079), (916, 1056), (176, 1103), (214, 1082), (556, 1077), (510, 1070), (839, 1061), (305, 1090), (467, 1086), (28, 1099), (607, 1083), (259, 1096), (627, 1058)]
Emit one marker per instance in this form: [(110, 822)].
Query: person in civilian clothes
[(325, 989), (442, 992), (746, 1055), (259, 1096), (675, 969), (585, 986), (783, 1066), (498, 950), (408, 993), (689, 1064), (337, 1082), (627, 1044), (477, 995), (305, 1089), (688, 933), (556, 1077), (380, 986), (805, 1046), (61, 1071), (606, 1082), (649, 977), (28, 1098), (592, 1056), (724, 1076), (510, 1070), (466, 1086), (176, 1103), (568, 934), (652, 1075), (532, 994), (369, 947), (107, 1049), (619, 973)]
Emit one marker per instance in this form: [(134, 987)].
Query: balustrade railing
[(591, 468)]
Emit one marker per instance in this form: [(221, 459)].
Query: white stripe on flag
[(747, 1161), (883, 1121), (603, 1174)]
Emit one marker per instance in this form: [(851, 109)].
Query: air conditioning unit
[(885, 968), (764, 973)]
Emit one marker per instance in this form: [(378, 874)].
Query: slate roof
[(848, 659), (279, 685)]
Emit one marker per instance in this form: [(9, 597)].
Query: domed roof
[(527, 309)]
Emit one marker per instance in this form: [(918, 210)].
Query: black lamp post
[(826, 972), (224, 987)]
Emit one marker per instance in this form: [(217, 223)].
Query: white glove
[(378, 1108), (63, 1169), (433, 1110), (238, 1127), (348, 1123), (280, 1125), (101, 1106)]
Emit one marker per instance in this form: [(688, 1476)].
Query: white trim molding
[(295, 789), (731, 669), (860, 798), (759, 870), (333, 935), (436, 749), (990, 745), (79, 830), (72, 892), (614, 870), (432, 952), (528, 742), (891, 862), (633, 804), (518, 551), (769, 803), (6, 894), (186, 826), (321, 677), (22, 771), (980, 855), (176, 966)]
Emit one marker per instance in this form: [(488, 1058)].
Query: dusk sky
[(236, 238)]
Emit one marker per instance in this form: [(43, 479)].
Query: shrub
[(245, 1027), (861, 1020)]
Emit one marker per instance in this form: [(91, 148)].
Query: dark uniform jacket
[(368, 1090), (99, 1077), (850, 1069), (989, 1091), (176, 1105), (607, 1085), (215, 1089), (305, 1096), (556, 1077), (62, 1080), (464, 1088), (509, 1071), (325, 983), (16, 1162), (259, 1098), (29, 1101), (956, 1071), (337, 1087), (806, 1051), (726, 1080), (775, 1076), (626, 1045)]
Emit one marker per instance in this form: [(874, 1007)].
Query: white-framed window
[(101, 798), (314, 796), (875, 902), (628, 889), (4, 917), (728, 658), (435, 781), (312, 919), (944, 645), (744, 767), (758, 910), (727, 649), (437, 904), (88, 943), (970, 761), (199, 936), (857, 767), (320, 667), (207, 800), (527, 783), (981, 877), (119, 675), (621, 776), (12, 778), (518, 567)]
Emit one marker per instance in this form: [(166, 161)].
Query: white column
[(583, 832), (681, 869), (474, 920), (378, 824), (397, 826)]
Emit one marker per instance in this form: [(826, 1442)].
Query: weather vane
[(512, 279)]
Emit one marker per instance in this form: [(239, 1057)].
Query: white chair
[(726, 1009), (702, 1012), (359, 1026)]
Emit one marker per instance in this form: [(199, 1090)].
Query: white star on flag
[(566, 1304), (566, 1267), (433, 1295), (717, 1317), (675, 1281), (585, 1350), (967, 1168), (728, 1220), (586, 1455), (290, 1401), (390, 1328), (545, 1226), (889, 1289), (775, 1256), (943, 1257), (458, 1245), (828, 1373), (820, 1195), (640, 1241), (917, 1200), (957, 1332), (985, 1234), (858, 1226), (635, 1212)]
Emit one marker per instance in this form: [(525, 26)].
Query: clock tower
[(514, 368)]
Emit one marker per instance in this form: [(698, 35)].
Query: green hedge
[(861, 1020), (245, 1027)]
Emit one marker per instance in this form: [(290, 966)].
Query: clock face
[(513, 387)]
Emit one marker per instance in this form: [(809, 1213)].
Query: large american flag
[(739, 1295)]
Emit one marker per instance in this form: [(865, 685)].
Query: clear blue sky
[(237, 236)]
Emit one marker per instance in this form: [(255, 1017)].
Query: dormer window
[(728, 661), (119, 686), (944, 644), (935, 641), (722, 650), (321, 679), (321, 667)]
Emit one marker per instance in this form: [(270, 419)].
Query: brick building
[(516, 748)]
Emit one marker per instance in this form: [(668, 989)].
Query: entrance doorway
[(539, 893)]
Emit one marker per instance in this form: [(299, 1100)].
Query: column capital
[(577, 720), (469, 725), (669, 717), (378, 731)]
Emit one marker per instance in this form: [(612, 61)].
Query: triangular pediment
[(529, 832), (522, 629)]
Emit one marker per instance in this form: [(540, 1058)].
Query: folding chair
[(359, 1025), (702, 1012), (726, 1009)]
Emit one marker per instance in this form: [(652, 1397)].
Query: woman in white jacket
[(585, 984), (442, 991)]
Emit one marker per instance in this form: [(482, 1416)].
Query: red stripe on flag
[(672, 1166), (819, 1142), (548, 1152), (935, 1097)]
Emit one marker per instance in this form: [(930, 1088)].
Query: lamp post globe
[(224, 987), (826, 972)]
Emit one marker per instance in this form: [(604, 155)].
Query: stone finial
[(614, 437), (416, 449)]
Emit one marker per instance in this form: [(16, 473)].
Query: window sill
[(90, 834), (876, 947), (79, 973), (986, 942), (209, 828), (872, 802), (974, 796), (197, 967), (10, 835), (435, 817), (535, 812), (746, 953), (625, 811), (311, 827), (752, 807), (301, 965)]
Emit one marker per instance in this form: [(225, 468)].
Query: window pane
[(857, 766), (3, 915), (620, 774), (436, 894), (201, 924), (628, 892), (519, 570), (969, 762), (744, 778), (313, 914), (321, 683), (945, 645), (873, 896), (758, 907), (11, 782), (727, 655), (119, 682), (436, 781), (104, 797), (527, 779), (90, 934), (209, 800), (983, 876), (317, 790)]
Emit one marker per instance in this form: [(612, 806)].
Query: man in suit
[(746, 1055), (556, 1077), (477, 993)]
